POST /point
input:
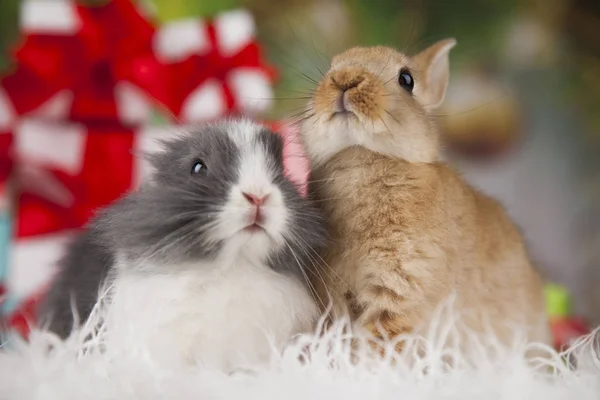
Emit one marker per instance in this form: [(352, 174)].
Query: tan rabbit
[(407, 231)]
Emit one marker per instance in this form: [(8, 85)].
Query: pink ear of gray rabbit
[(295, 160)]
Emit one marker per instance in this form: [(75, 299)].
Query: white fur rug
[(78, 369)]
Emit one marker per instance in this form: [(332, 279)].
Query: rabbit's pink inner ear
[(295, 162), (434, 64)]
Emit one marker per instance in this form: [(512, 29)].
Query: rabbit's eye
[(198, 167), (406, 80)]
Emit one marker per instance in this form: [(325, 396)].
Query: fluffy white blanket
[(81, 367)]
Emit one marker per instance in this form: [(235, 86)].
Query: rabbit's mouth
[(342, 114), (343, 108)]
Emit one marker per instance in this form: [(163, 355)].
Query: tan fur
[(406, 230)]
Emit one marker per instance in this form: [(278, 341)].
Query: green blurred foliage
[(174, 9), (412, 24), (9, 13)]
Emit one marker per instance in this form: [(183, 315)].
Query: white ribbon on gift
[(177, 40), (50, 16)]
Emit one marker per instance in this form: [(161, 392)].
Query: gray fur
[(85, 265), (165, 221)]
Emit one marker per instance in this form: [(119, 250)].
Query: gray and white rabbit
[(209, 258)]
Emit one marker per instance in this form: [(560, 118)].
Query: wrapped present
[(68, 170), (81, 63), (214, 67), (109, 63)]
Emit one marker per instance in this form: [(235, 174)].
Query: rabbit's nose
[(346, 83)]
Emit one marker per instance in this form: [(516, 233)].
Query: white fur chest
[(218, 317)]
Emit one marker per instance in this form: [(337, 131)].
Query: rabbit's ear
[(434, 65)]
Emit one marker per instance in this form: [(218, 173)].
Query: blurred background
[(521, 119)]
